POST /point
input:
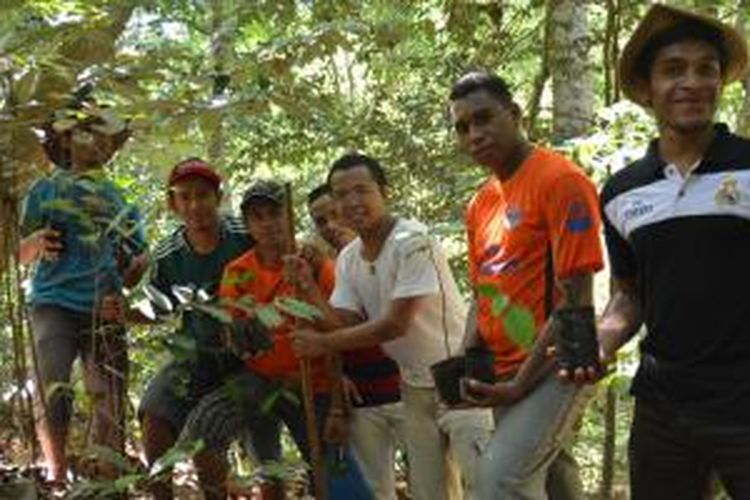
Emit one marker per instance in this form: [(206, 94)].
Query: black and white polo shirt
[(686, 240)]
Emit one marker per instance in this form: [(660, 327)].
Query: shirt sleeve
[(344, 296), (621, 257), (416, 273), (327, 277), (32, 213), (473, 258), (572, 215), (158, 279)]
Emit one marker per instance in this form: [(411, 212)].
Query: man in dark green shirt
[(193, 256)]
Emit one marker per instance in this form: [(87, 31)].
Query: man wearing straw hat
[(677, 225)]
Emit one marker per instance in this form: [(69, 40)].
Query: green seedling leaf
[(202, 295), (184, 294), (499, 304), (520, 327), (181, 452), (298, 308), (145, 307), (217, 313), (244, 304), (109, 456), (269, 316), (159, 299), (90, 240), (291, 396), (487, 290), (235, 279), (267, 404), (63, 205)]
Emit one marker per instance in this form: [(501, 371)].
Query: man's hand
[(351, 393), (45, 244), (477, 393), (133, 273), (309, 343), (336, 429), (621, 320), (299, 272), (112, 309)]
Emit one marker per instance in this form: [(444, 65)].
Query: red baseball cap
[(194, 167)]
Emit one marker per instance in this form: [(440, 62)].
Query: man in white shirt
[(394, 288)]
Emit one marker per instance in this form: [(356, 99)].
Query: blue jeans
[(528, 457), (673, 455)]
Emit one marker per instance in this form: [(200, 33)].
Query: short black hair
[(318, 192), (680, 32), (481, 80), (356, 159)]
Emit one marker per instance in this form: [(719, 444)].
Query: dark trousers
[(61, 336), (673, 455)]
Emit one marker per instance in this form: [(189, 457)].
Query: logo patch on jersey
[(502, 267), (491, 251), (579, 219), (637, 209), (729, 192), (513, 217)]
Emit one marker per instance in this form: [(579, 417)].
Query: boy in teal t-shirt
[(86, 243)]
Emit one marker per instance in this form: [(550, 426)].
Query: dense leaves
[(284, 87)]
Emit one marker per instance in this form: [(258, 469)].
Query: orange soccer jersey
[(246, 276), (547, 206)]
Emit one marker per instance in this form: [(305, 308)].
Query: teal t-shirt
[(176, 263), (97, 227)]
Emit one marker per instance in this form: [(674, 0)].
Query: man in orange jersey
[(270, 385), (533, 232)]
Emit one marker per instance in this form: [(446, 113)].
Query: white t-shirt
[(410, 264)]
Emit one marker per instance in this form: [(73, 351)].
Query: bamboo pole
[(308, 394)]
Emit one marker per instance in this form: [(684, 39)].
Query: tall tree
[(743, 119), (572, 78)]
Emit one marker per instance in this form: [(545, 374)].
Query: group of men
[(677, 229)]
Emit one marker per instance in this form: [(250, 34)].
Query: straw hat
[(661, 18)]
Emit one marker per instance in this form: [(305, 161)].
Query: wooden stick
[(308, 394)]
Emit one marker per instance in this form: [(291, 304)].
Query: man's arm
[(577, 291), (622, 318), (43, 243), (311, 343), (299, 272), (135, 270), (471, 329)]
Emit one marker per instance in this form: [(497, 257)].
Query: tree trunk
[(540, 81), (572, 79), (222, 32), (608, 452), (743, 119)]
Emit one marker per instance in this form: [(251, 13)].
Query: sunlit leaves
[(269, 316), (518, 322), (297, 308)]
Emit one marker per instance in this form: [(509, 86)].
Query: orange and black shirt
[(545, 214), (247, 276)]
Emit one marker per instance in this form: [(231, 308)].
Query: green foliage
[(290, 86), (518, 322)]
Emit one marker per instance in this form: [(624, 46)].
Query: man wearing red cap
[(677, 225), (193, 256)]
